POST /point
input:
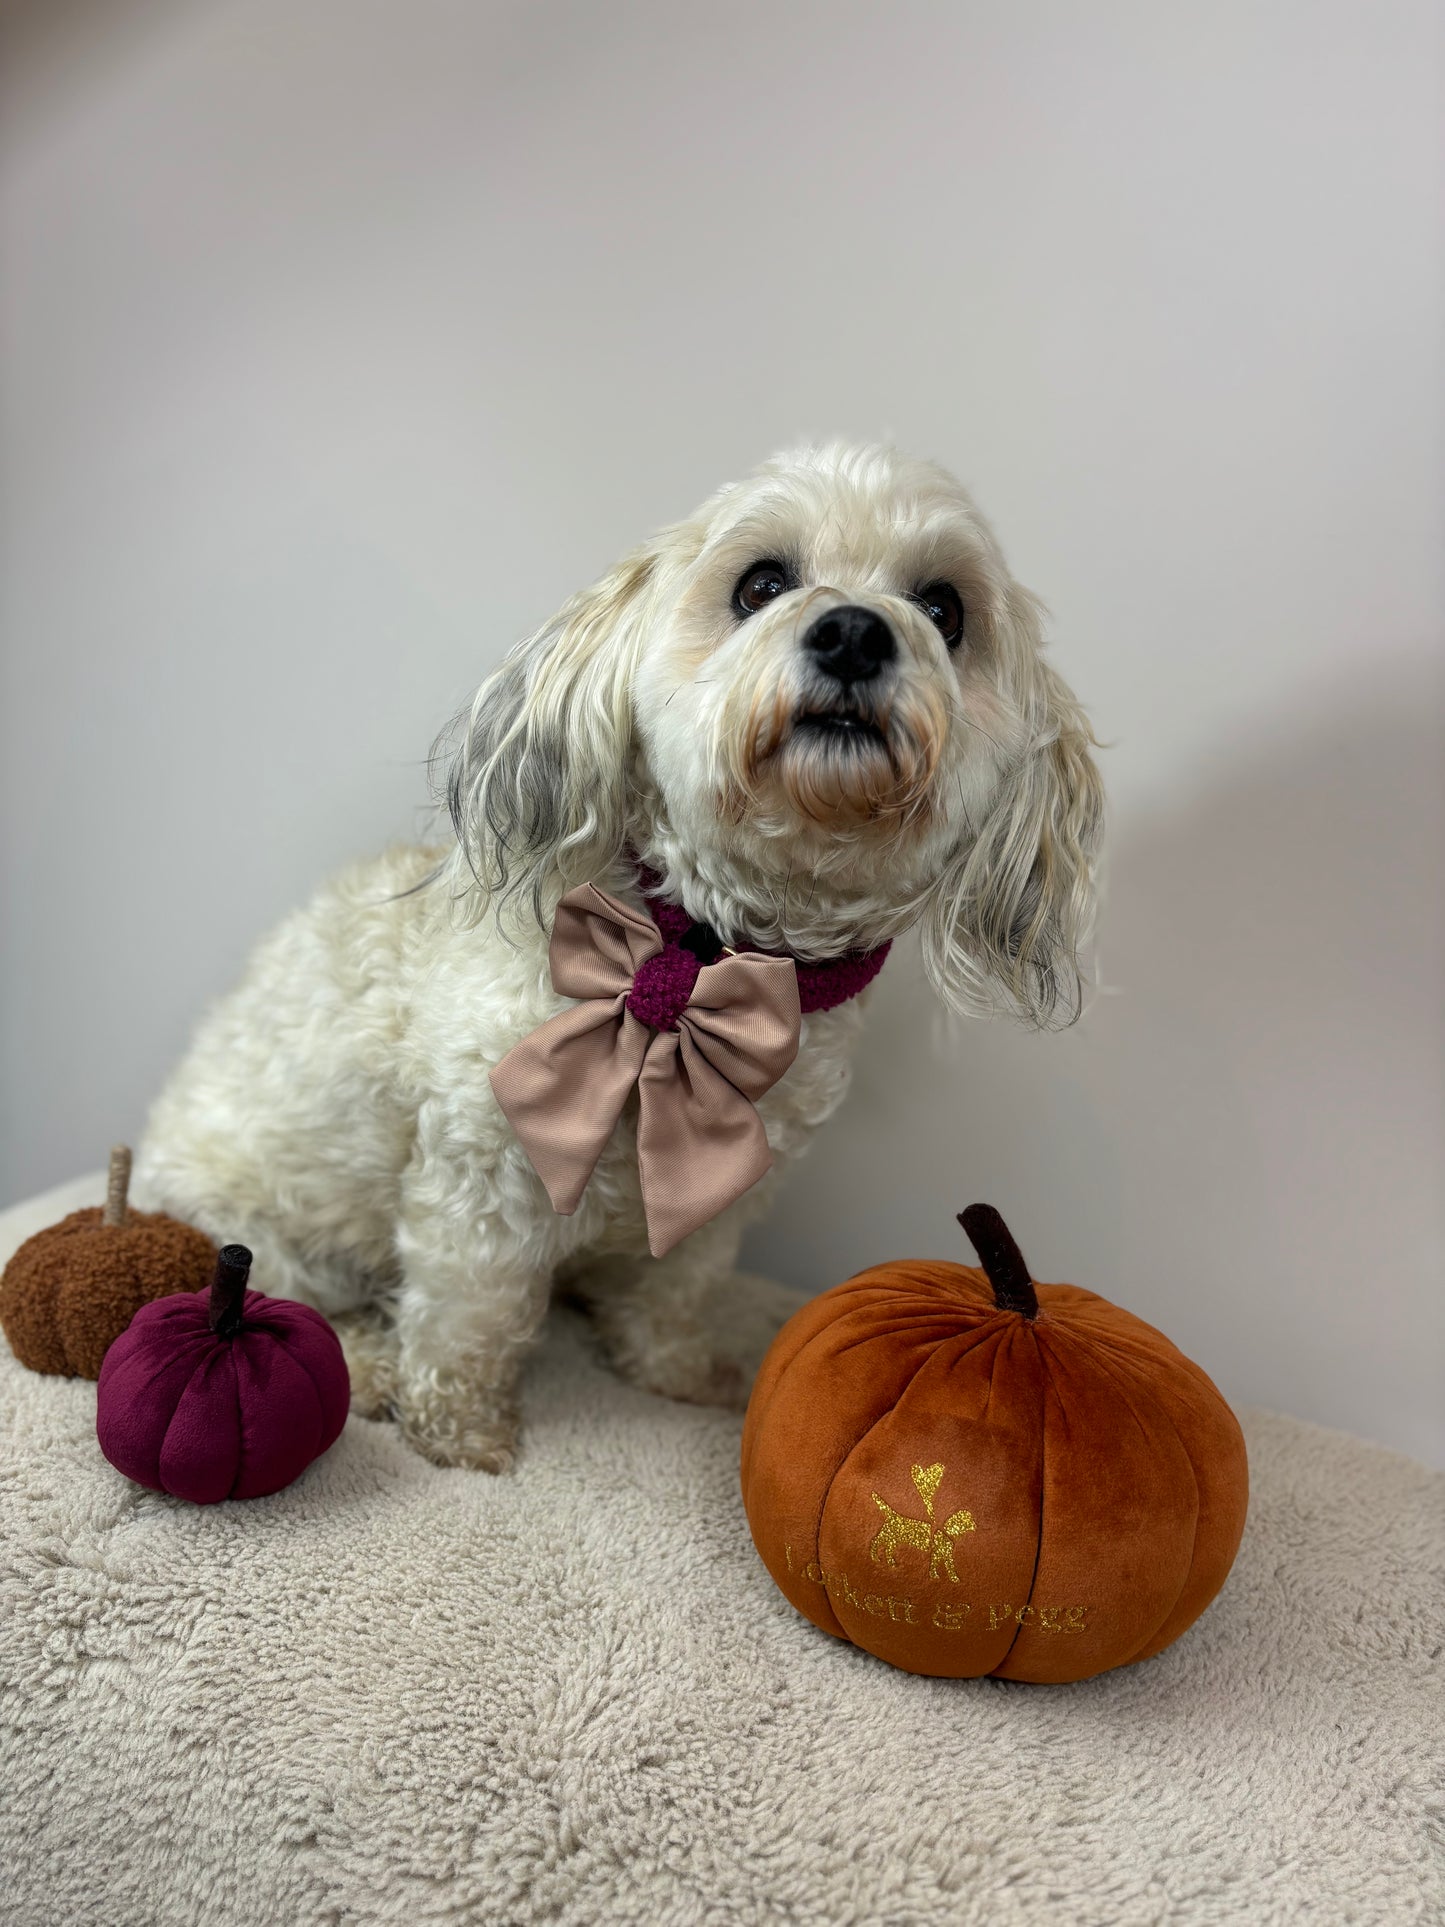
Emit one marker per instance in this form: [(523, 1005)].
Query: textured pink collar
[(821, 986)]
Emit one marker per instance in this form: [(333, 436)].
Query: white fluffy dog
[(818, 711)]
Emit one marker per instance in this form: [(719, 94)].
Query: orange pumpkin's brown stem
[(228, 1290), (1002, 1261)]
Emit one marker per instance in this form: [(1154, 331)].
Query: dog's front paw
[(696, 1374), (369, 1342), (724, 1383), (451, 1425)]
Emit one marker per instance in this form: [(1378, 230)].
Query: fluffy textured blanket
[(397, 1694)]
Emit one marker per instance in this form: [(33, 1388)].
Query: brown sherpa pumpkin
[(72, 1289), (965, 1472)]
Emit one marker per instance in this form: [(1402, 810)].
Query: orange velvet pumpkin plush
[(967, 1473)]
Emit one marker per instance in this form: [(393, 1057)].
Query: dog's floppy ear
[(536, 782), (1012, 911)]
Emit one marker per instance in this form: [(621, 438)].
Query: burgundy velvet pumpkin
[(221, 1394)]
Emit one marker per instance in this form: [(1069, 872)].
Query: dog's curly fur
[(335, 1113)]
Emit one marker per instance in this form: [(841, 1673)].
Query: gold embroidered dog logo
[(899, 1529)]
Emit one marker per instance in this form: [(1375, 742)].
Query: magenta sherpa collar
[(687, 945)]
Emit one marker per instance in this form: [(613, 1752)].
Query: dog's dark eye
[(940, 603), (763, 583)]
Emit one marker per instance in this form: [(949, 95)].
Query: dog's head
[(819, 706)]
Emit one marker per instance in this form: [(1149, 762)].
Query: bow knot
[(699, 1042), (662, 987)]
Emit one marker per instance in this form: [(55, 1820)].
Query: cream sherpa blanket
[(397, 1694)]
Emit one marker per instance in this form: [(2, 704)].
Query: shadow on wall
[(1242, 1141)]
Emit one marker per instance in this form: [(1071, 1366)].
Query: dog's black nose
[(850, 644)]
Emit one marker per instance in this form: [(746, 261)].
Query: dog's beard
[(837, 760)]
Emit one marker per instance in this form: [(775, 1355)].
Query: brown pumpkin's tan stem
[(117, 1185), (1002, 1261), (228, 1290)]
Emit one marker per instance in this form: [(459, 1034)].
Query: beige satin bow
[(700, 1142)]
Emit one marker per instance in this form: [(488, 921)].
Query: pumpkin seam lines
[(818, 1535), (1110, 1367), (196, 1370), (320, 1414), (992, 1372), (1127, 1359), (1127, 1391), (828, 1493), (1047, 1383), (842, 1463), (976, 1333), (240, 1415)]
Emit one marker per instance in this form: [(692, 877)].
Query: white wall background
[(341, 339)]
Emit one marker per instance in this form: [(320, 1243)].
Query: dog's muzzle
[(848, 651)]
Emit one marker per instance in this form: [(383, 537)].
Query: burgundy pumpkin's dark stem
[(1002, 1261), (228, 1289)]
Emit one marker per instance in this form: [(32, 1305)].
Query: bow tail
[(562, 1090), (700, 1141)]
